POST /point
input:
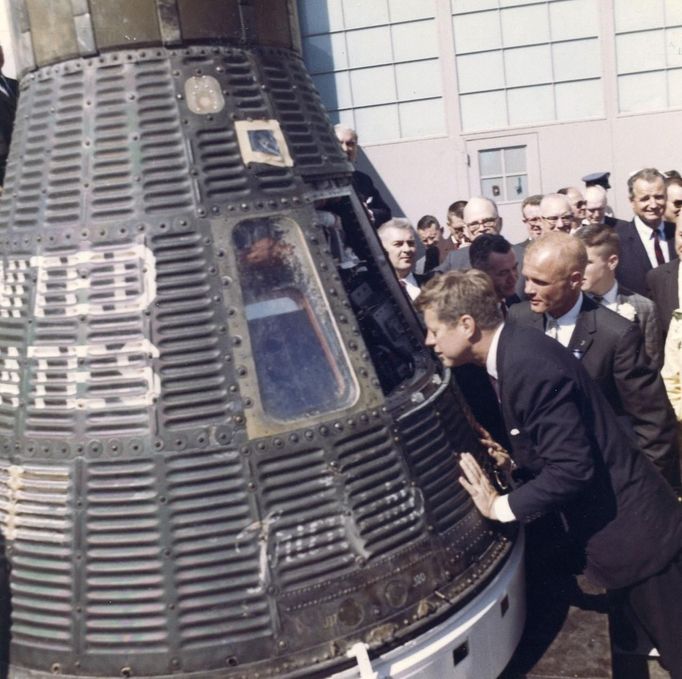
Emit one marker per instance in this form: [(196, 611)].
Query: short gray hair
[(395, 223), (647, 174)]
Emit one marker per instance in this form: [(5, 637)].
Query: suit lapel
[(636, 246), (669, 230), (501, 345), (585, 328), (534, 319)]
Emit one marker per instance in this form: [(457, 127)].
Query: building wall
[(583, 85)]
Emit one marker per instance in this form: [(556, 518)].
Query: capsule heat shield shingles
[(161, 514)]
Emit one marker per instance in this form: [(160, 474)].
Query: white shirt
[(4, 86), (566, 323), (646, 235), (491, 359), (411, 286), (610, 298), (501, 508)]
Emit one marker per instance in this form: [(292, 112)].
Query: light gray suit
[(648, 322)]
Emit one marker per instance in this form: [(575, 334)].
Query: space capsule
[(224, 449)]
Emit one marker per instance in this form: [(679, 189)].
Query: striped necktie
[(660, 259)]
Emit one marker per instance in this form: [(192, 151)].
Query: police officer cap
[(598, 178)]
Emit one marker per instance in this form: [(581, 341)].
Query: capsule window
[(300, 363), (203, 95)]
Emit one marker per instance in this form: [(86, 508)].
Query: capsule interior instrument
[(224, 448)]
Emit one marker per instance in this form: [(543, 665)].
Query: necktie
[(657, 247), (598, 298), (552, 329)]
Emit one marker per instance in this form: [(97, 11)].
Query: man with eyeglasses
[(456, 228), (530, 216), (480, 216), (595, 210), (673, 199), (578, 205), (556, 213), (648, 240)]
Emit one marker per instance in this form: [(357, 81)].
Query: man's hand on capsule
[(476, 483)]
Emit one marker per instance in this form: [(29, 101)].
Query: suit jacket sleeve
[(644, 399), (648, 321), (553, 434), (371, 197)]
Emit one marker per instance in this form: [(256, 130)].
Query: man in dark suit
[(9, 93), (565, 437), (493, 254), (430, 235), (647, 241), (457, 236), (610, 347), (603, 252), (663, 283), (377, 209)]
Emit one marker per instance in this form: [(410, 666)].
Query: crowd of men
[(568, 349)]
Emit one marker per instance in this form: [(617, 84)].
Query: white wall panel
[(574, 19), (638, 15), (369, 47), (477, 32), (578, 100), (361, 13), (484, 111), (373, 86), (418, 80), (531, 105), (524, 25), (411, 10), (577, 60), (528, 65), (422, 118), (484, 71), (415, 40), (642, 92)]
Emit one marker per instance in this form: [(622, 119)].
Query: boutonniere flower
[(626, 310)]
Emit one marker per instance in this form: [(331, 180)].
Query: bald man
[(610, 347), (556, 213), (480, 216), (597, 203), (577, 202)]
